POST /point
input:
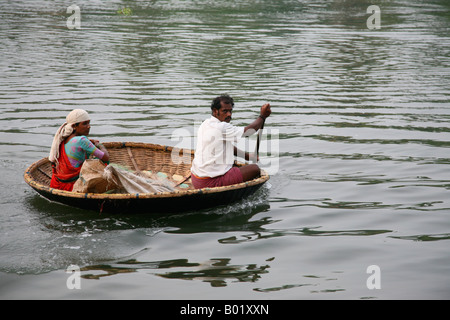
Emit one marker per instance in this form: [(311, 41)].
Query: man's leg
[(250, 172)]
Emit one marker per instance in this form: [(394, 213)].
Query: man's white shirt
[(214, 154)]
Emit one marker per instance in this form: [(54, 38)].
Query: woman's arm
[(101, 147), (105, 157)]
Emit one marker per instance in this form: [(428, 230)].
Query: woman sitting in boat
[(71, 147)]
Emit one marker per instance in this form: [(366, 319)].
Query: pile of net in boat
[(95, 177)]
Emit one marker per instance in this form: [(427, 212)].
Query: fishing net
[(95, 177)]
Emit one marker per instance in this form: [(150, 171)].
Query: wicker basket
[(173, 162)]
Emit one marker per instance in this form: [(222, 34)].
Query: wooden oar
[(186, 178), (258, 141)]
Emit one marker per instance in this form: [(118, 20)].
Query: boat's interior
[(153, 162)]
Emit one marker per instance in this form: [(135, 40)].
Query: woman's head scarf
[(75, 116)]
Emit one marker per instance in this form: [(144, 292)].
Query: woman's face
[(82, 128)]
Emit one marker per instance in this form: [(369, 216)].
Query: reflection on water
[(268, 233), (237, 216), (214, 271), (425, 237), (217, 271)]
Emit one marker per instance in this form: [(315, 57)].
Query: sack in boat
[(136, 182), (92, 178), (95, 177)]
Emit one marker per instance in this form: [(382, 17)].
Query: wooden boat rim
[(162, 148)]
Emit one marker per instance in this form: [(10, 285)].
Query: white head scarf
[(75, 116)]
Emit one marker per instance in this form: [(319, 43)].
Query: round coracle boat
[(170, 165)]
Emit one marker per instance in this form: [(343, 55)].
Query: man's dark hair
[(225, 98)]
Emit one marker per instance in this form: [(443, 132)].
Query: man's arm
[(245, 155), (258, 123)]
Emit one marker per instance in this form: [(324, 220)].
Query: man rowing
[(214, 156)]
